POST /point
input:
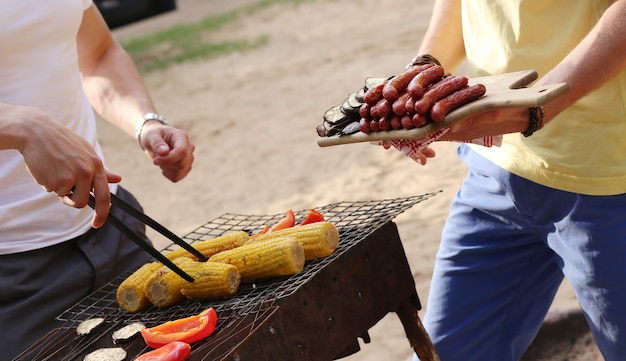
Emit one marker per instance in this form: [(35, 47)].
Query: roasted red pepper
[(287, 222), (173, 351), (190, 329), (312, 217)]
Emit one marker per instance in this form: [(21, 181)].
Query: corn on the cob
[(319, 239), (211, 279), (279, 257), (212, 246), (131, 292), (163, 288)]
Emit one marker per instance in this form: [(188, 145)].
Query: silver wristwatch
[(146, 117)]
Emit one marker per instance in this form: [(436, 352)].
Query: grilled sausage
[(407, 122), (395, 86), (457, 99), (419, 120), (384, 124), (395, 122), (374, 125), (438, 91), (373, 95), (364, 126), (421, 81), (399, 105), (381, 109)]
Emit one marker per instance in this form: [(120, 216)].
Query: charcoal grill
[(318, 314)]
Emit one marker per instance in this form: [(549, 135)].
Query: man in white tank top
[(59, 62)]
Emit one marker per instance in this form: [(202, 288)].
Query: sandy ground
[(252, 117)]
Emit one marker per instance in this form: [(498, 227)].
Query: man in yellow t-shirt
[(551, 201)]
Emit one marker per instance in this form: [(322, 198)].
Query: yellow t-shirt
[(583, 150)]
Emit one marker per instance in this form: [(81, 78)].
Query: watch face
[(150, 116)]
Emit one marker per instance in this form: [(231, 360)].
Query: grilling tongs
[(141, 241)]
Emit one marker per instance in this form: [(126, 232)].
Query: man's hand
[(169, 148), (64, 163), (491, 123)]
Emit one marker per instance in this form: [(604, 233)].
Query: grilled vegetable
[(320, 239), (127, 332), (131, 292), (212, 279), (85, 327), (173, 351), (280, 257), (212, 246), (313, 216), (189, 329), (163, 288), (106, 354), (287, 222)]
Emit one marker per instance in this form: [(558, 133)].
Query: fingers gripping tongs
[(142, 241)]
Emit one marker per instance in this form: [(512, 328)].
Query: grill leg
[(415, 332)]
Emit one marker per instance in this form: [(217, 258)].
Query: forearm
[(17, 125), (110, 79), (116, 91), (595, 60), (444, 37)]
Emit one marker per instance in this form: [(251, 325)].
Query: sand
[(252, 117)]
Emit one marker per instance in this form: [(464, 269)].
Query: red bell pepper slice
[(312, 217), (173, 351), (287, 222), (190, 329)]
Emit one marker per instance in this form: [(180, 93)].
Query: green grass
[(192, 41)]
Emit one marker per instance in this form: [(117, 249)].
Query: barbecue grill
[(317, 314)]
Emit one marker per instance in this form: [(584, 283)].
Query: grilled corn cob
[(319, 239), (163, 287), (212, 246), (131, 292), (212, 279), (278, 257)]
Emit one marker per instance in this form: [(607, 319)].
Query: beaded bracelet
[(536, 121)]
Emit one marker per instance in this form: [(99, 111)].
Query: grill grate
[(239, 314)]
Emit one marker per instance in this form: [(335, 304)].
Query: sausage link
[(395, 86), (407, 121), (381, 109), (364, 126), (438, 91), (399, 105), (409, 106), (384, 124), (364, 111), (421, 81), (395, 122), (419, 120), (373, 95), (455, 100), (374, 125)]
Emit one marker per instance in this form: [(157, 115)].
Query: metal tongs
[(142, 241)]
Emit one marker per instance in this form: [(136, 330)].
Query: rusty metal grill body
[(314, 315)]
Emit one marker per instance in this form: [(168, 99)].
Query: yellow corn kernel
[(212, 246), (211, 279), (163, 288), (319, 239), (255, 260), (131, 292)]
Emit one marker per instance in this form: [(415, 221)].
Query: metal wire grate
[(252, 303)]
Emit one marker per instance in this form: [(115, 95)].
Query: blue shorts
[(505, 248)]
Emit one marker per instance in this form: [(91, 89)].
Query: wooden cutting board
[(503, 90)]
